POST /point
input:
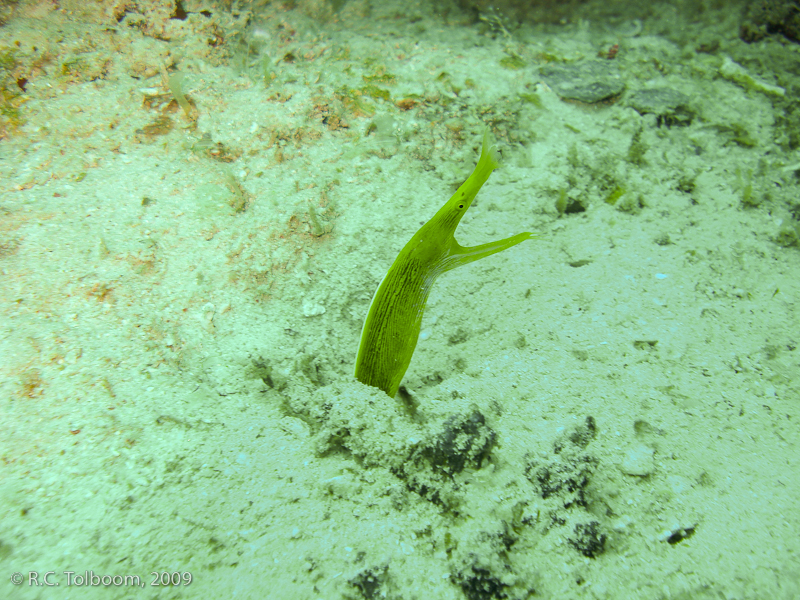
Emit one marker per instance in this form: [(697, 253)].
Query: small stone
[(638, 461), (312, 309), (671, 107)]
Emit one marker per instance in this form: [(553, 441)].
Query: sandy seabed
[(197, 205)]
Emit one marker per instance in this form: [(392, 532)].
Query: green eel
[(392, 326)]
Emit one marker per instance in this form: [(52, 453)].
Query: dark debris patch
[(567, 479), (465, 441), (369, 583), (588, 539), (579, 437), (478, 583), (563, 480), (567, 474), (770, 17)]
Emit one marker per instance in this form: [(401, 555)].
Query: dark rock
[(591, 81), (669, 106)]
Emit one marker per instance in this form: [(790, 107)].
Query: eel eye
[(460, 206)]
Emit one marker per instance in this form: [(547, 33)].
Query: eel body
[(393, 322)]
